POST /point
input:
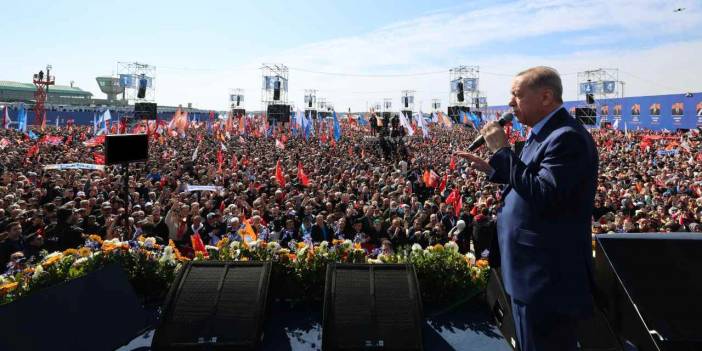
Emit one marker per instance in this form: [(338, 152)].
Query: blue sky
[(202, 49)]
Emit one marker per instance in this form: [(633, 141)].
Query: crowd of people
[(353, 189)]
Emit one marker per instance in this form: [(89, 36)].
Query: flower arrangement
[(442, 271)]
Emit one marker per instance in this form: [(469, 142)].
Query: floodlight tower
[(42, 81)]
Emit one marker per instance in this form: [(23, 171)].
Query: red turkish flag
[(198, 245), (452, 165), (220, 160), (301, 175), (458, 206), (33, 151), (279, 174), (99, 158), (442, 186)]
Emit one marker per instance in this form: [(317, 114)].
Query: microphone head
[(507, 117)]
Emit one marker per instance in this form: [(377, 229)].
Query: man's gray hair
[(543, 77)]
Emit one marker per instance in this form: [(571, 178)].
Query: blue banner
[(657, 112)]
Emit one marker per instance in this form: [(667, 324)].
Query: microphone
[(479, 141)]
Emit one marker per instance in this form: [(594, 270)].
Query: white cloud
[(442, 39)]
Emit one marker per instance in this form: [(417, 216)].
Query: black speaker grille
[(217, 304), (372, 307), (395, 309)]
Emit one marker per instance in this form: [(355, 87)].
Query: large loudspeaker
[(278, 113), (650, 288), (369, 307), (501, 307), (145, 110), (215, 306), (141, 92), (586, 115), (98, 311), (126, 148), (589, 98), (276, 90), (460, 92), (453, 112), (238, 112), (594, 333)]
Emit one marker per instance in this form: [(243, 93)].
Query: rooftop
[(63, 89)]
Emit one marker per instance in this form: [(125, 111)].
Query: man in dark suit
[(543, 227), (655, 110), (321, 231), (678, 110)]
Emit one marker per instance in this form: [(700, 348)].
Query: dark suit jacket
[(317, 233), (544, 228)]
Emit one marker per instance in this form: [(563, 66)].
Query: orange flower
[(357, 246), (51, 260), (96, 238), (6, 288), (222, 243), (70, 252), (293, 257), (300, 245), (84, 252), (337, 242), (244, 259), (482, 263), (108, 246)]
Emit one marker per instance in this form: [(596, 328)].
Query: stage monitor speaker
[(215, 306), (98, 311), (589, 98), (141, 91), (649, 288), (586, 115), (460, 92), (145, 110), (372, 307), (593, 334), (126, 148), (276, 91)]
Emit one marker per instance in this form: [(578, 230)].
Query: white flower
[(451, 246), (273, 246), (254, 243), (210, 247), (80, 261), (471, 258), (234, 245), (149, 242), (374, 261), (416, 247), (38, 271), (168, 256), (347, 244), (235, 253), (324, 245)]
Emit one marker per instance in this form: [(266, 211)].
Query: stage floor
[(298, 327)]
